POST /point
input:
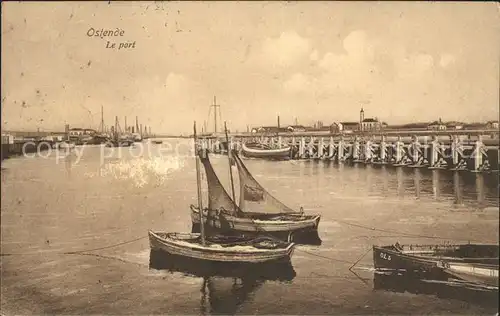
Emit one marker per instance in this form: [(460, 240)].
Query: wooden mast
[(198, 184), (230, 168), (116, 129)]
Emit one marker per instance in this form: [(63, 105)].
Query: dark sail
[(253, 197), (217, 196)]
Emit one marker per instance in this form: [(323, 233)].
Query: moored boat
[(258, 150), (476, 273), (258, 211), (452, 259), (222, 249), (210, 247)]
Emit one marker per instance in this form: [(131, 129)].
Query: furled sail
[(217, 196), (253, 197)]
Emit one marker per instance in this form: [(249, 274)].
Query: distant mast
[(215, 106), (102, 128)]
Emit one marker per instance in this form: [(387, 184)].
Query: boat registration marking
[(385, 256)]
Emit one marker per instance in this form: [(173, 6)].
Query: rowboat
[(222, 249), (258, 211), (477, 262), (478, 273), (272, 270), (209, 247), (258, 150)]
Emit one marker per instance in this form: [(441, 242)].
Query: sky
[(311, 61)]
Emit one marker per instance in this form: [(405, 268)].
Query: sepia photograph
[(250, 158)]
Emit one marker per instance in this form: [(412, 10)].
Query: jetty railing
[(476, 151)]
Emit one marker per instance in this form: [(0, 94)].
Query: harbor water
[(74, 234)]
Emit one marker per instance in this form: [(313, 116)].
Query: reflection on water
[(224, 298), (448, 289), (226, 286), (461, 188)]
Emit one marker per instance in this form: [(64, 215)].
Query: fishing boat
[(479, 261), (118, 139), (207, 246), (258, 212), (258, 150)]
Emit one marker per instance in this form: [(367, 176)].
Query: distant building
[(269, 129), (368, 124), (296, 128), (437, 126), (371, 124), (475, 126), (7, 138), (454, 125), (53, 138), (82, 132), (409, 126), (348, 126), (492, 125)]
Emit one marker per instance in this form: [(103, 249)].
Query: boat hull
[(391, 260), (472, 263), (183, 245), (309, 223), (474, 273), (274, 154)]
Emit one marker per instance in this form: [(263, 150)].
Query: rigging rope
[(75, 252), (402, 234)]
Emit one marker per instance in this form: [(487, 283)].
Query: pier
[(475, 151)]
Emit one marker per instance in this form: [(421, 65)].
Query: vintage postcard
[(250, 158)]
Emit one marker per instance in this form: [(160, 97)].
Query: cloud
[(363, 69), (286, 49), (414, 66), (352, 70)]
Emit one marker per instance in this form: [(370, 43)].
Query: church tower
[(361, 118)]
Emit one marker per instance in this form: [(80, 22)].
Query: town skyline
[(402, 62)]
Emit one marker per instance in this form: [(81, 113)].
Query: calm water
[(59, 204)]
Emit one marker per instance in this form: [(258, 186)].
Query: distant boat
[(118, 139), (157, 141), (119, 143), (209, 247), (258, 150), (469, 262), (476, 273), (137, 137)]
